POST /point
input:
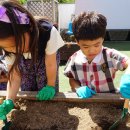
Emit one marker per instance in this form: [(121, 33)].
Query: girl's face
[(9, 45), (91, 48)]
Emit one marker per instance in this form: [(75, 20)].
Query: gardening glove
[(46, 93), (125, 86), (85, 92), (5, 108)]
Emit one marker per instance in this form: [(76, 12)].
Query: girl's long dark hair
[(18, 30)]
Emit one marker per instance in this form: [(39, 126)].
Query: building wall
[(116, 11), (65, 13)]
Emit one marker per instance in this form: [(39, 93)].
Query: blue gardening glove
[(125, 86), (46, 93), (85, 92), (5, 108)]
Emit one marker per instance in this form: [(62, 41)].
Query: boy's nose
[(91, 50)]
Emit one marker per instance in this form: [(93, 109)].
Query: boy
[(92, 68)]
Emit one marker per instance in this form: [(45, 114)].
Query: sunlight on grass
[(63, 81)]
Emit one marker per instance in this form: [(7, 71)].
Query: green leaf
[(22, 1)]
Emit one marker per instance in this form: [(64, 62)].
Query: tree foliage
[(66, 1), (60, 1), (22, 1)]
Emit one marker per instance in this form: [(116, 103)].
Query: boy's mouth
[(91, 55)]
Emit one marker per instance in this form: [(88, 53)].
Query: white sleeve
[(9, 60), (55, 42)]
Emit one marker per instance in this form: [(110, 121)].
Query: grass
[(123, 47)]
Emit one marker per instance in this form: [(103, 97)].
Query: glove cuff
[(50, 86), (9, 102)]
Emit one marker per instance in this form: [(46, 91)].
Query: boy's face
[(91, 48)]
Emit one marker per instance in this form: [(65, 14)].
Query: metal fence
[(45, 8)]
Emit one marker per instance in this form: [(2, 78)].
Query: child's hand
[(125, 86), (46, 93), (85, 92), (5, 108)]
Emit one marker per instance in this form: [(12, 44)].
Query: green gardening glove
[(5, 108), (46, 93)]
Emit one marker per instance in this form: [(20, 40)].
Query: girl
[(30, 52)]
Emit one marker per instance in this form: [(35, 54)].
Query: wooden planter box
[(67, 50)]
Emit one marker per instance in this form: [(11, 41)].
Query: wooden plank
[(71, 97)]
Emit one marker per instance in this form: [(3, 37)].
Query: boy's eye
[(96, 45), (85, 47)]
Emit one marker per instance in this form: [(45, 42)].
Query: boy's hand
[(125, 86), (46, 93), (5, 108), (85, 92)]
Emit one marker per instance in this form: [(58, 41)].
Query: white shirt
[(53, 44)]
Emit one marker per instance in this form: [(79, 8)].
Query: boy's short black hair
[(89, 26)]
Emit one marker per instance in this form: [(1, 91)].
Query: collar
[(81, 57), (27, 55)]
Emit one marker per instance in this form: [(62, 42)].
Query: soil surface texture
[(48, 115)]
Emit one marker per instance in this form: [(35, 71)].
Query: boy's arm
[(125, 82), (82, 92), (74, 84), (127, 67)]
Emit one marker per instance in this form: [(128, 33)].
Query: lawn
[(123, 47)]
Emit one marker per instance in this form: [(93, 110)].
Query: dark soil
[(49, 115)]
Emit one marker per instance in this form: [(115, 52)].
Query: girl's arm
[(74, 84), (14, 85), (51, 69)]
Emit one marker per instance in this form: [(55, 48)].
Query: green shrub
[(66, 1)]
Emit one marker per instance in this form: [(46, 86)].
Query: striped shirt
[(93, 74)]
